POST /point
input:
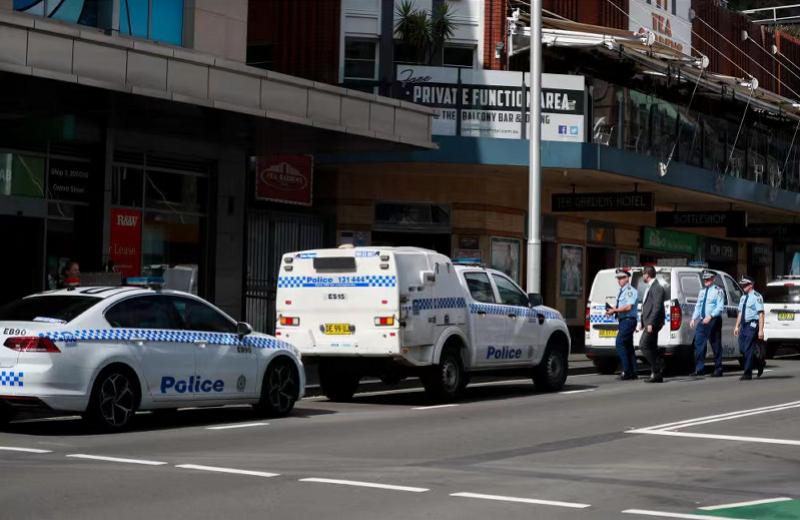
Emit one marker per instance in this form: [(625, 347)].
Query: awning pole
[(534, 250)]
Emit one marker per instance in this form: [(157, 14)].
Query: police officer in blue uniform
[(707, 318), (749, 326), (626, 312)]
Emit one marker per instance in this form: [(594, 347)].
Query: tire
[(280, 388), (551, 373), (336, 383), (606, 366), (446, 380), (114, 400)]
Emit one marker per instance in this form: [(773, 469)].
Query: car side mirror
[(243, 329), (534, 299)]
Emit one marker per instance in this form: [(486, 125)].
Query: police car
[(395, 312), (106, 352), (782, 314)]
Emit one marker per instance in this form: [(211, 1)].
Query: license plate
[(607, 333), (337, 329), (785, 316)]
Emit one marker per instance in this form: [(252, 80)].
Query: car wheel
[(337, 383), (551, 374), (606, 366), (446, 380), (114, 400), (280, 388)]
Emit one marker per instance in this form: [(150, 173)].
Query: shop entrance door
[(21, 263)]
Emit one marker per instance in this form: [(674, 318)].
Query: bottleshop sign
[(285, 178), (668, 20), (665, 240), (491, 103), (694, 219)]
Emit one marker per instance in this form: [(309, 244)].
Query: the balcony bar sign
[(288, 179)]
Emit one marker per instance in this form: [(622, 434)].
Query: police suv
[(106, 352), (681, 287), (782, 314), (397, 312)]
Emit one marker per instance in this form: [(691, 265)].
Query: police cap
[(709, 275), (745, 280), (622, 273)]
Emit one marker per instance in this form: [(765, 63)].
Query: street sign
[(692, 219), (626, 201)]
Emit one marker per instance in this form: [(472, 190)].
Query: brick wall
[(494, 31)]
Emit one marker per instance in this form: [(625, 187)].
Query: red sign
[(285, 178), (125, 248)]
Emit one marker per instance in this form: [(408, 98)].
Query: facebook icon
[(562, 129)]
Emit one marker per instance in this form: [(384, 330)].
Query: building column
[(229, 237)]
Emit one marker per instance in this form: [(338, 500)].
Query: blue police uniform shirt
[(714, 303), (627, 296), (755, 305)]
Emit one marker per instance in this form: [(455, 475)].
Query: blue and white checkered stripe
[(488, 308), (304, 282), (11, 378), (429, 304), (165, 336)]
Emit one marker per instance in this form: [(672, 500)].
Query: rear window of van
[(606, 288)]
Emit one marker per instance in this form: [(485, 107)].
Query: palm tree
[(426, 33)]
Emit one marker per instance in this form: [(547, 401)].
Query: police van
[(398, 312), (782, 314), (681, 287), (107, 352)]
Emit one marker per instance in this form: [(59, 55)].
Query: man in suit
[(653, 317)]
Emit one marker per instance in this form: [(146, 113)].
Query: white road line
[(763, 440), (434, 407), (578, 391), (24, 450), (365, 484), (232, 426), (500, 498), (729, 414), (664, 514), (709, 421), (227, 470), (116, 459), (745, 504)]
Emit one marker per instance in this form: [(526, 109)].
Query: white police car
[(106, 352)]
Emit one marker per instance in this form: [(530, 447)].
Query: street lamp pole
[(534, 249)]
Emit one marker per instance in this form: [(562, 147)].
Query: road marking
[(763, 440), (24, 450), (732, 415), (365, 484), (739, 416), (227, 470), (500, 498), (579, 391), (664, 514), (116, 459), (745, 504), (434, 407), (232, 426)]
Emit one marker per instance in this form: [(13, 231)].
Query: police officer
[(749, 325), (625, 310), (708, 319)]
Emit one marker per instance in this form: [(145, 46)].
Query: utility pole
[(534, 251)]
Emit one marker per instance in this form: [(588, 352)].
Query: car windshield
[(47, 309), (782, 294)]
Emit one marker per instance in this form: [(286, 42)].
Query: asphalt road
[(601, 449)]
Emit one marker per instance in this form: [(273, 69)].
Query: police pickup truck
[(399, 312)]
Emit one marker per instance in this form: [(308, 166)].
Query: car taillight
[(675, 316), (586, 324), (289, 321), (31, 344), (384, 321)]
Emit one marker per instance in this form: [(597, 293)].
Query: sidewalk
[(578, 364)]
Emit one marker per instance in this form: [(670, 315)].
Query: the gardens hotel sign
[(488, 103)]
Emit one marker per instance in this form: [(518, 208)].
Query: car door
[(226, 367), (151, 328), (522, 325), (487, 320), (730, 346)]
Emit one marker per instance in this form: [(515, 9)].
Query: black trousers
[(648, 344)]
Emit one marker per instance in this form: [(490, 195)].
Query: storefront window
[(171, 239), (127, 186), (175, 192), (21, 175)]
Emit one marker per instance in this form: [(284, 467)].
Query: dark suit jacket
[(653, 307)]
